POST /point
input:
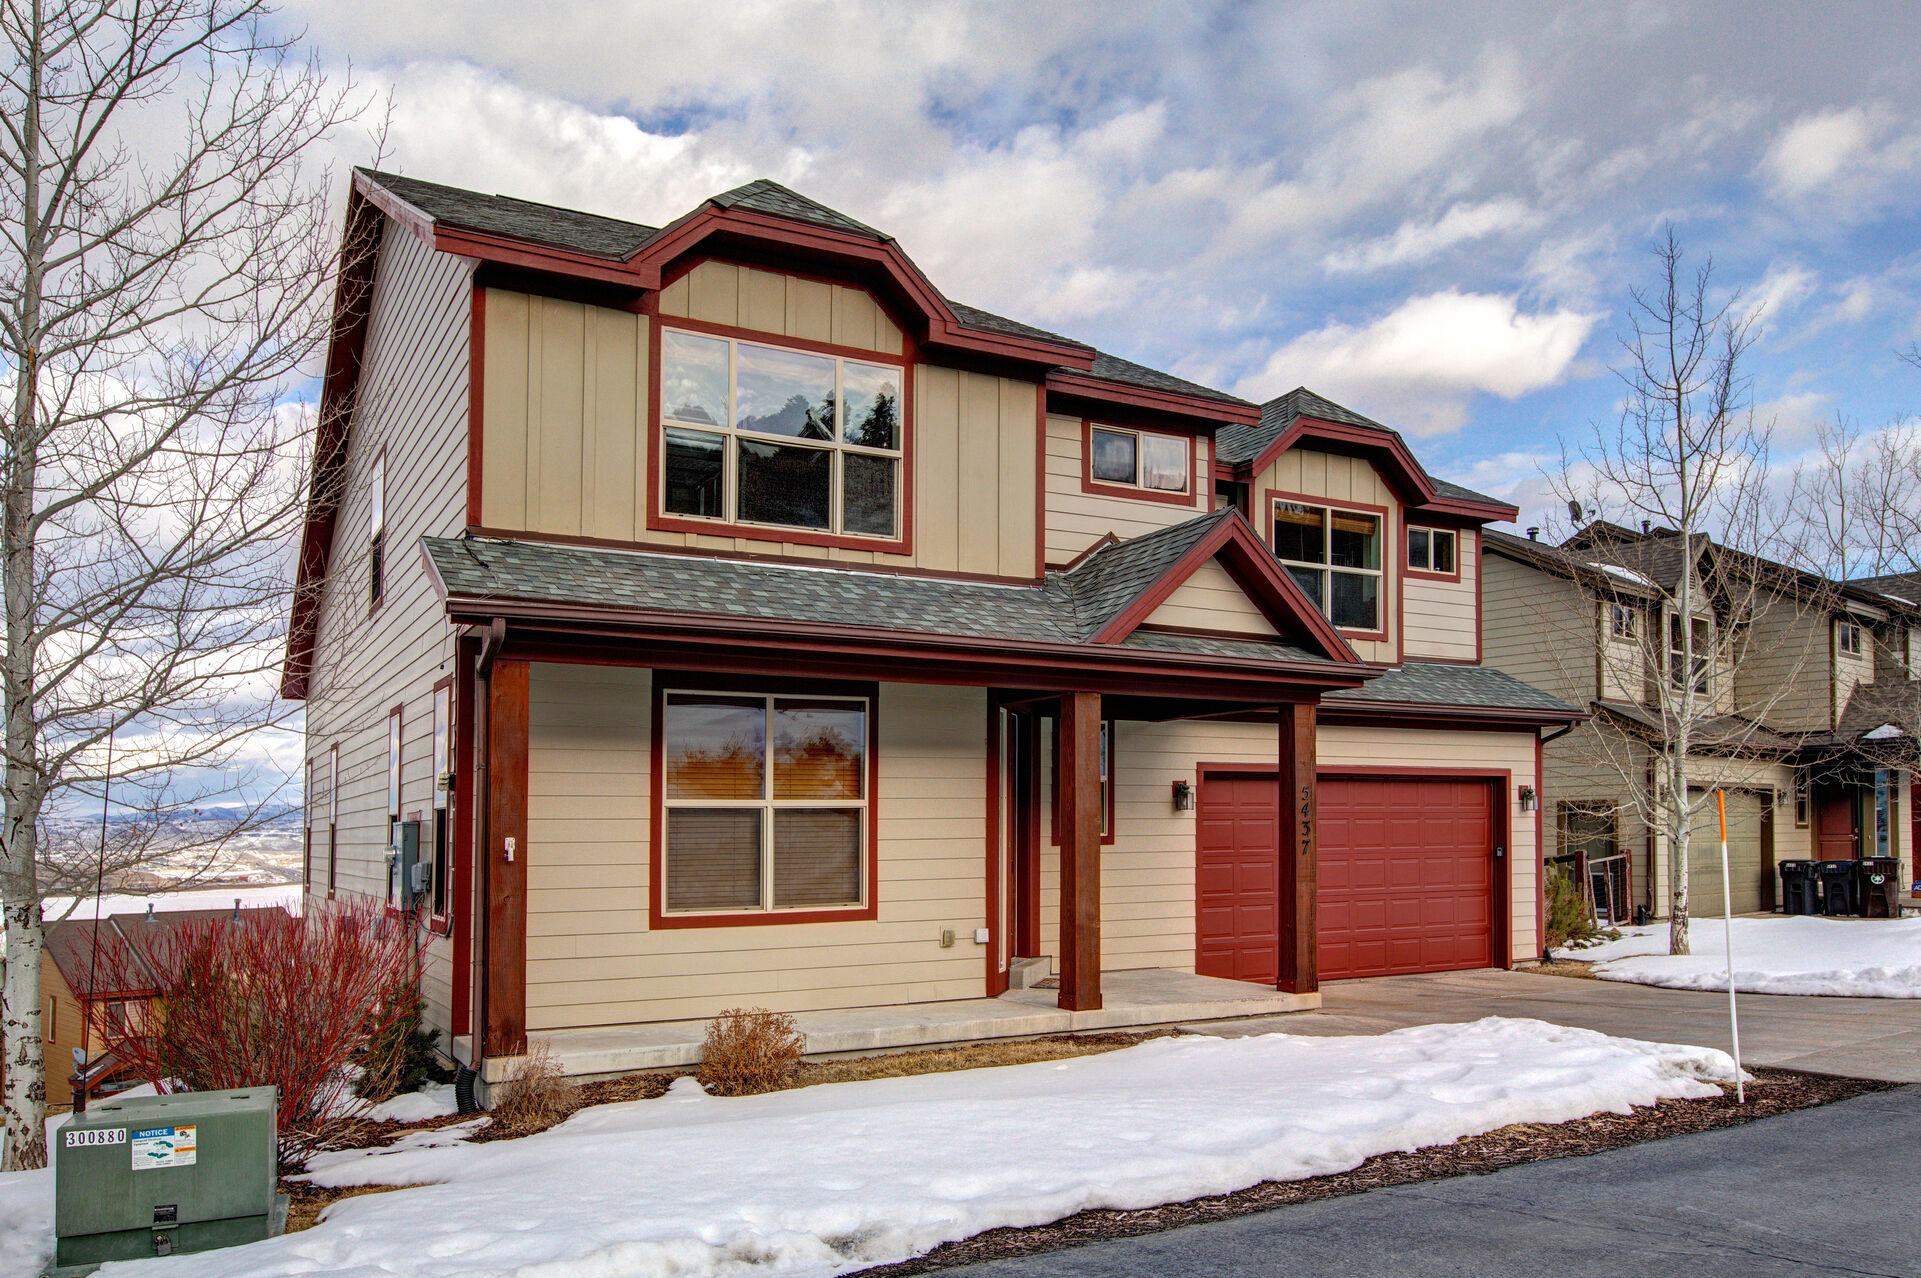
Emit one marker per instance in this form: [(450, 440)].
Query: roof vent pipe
[(1644, 527), (1534, 534), (150, 917)]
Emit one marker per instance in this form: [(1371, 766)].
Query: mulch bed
[(1775, 1091)]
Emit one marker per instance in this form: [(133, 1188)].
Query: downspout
[(490, 644)]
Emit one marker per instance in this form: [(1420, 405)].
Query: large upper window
[(1139, 459), (756, 434), (1335, 555), (765, 802)]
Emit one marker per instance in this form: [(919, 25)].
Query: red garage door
[(1237, 878), (1406, 875)]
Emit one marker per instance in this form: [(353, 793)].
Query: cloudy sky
[(1431, 217)]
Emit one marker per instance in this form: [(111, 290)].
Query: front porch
[(1138, 997)]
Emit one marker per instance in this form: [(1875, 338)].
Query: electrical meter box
[(162, 1175)]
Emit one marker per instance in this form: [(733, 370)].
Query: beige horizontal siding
[(1076, 519), (1441, 617), (591, 956)]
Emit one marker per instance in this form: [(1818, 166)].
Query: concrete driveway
[(1857, 1037), (1821, 1191)]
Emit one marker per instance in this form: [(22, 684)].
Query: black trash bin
[(1800, 891), (1837, 887), (1877, 892)]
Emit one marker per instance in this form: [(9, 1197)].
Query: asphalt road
[(1829, 1191)]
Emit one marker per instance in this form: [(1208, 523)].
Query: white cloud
[(1780, 290), (1418, 365), (1844, 158), (1418, 241)]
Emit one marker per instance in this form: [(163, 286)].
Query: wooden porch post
[(506, 879), (1300, 931), (1077, 797)]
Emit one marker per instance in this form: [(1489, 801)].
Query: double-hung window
[(1850, 638), (377, 533), (1335, 555), (765, 803), (777, 437), (1621, 621), (443, 794), (1431, 550), (1141, 459), (395, 890), (1703, 632)]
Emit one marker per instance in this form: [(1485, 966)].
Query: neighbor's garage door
[(1748, 868), (1406, 875)]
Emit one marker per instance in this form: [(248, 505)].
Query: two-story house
[(718, 615), (1783, 670)]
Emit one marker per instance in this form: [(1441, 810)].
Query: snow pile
[(433, 1101), (827, 1179), (1804, 954)]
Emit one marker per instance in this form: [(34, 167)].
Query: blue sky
[(1432, 216)]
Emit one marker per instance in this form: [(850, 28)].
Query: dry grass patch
[(306, 1202), (1576, 968), (749, 1050), (1054, 1047), (533, 1098)]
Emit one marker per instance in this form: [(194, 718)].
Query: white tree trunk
[(26, 1089)]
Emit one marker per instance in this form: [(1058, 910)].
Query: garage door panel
[(1406, 875), (1237, 879), (1748, 869)]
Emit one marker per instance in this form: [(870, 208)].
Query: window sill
[(902, 545), (662, 921), (1127, 492)]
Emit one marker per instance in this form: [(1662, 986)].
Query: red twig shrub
[(263, 999), (749, 1050)]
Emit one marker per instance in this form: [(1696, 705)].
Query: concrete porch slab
[(1144, 996)]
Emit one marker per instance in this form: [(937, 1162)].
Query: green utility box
[(161, 1175)]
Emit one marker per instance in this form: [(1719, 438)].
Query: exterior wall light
[(1183, 796), (1528, 801)]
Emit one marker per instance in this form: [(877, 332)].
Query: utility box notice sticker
[(163, 1147)]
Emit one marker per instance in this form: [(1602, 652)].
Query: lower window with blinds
[(765, 811)]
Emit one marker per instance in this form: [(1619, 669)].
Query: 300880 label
[(98, 1136)]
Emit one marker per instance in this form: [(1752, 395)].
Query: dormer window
[(1157, 464), (1335, 556), (1431, 550), (1677, 659), (1848, 638), (778, 437)]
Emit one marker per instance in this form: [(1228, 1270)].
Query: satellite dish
[(1574, 511)]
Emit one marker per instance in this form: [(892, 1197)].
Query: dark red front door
[(1406, 875), (1836, 823), (1238, 878)]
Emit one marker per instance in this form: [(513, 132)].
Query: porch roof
[(1435, 683)]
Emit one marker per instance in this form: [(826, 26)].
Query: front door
[(1837, 823), (1237, 877)]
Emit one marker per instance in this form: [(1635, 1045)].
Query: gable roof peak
[(764, 195)]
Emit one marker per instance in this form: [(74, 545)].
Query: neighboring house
[(1795, 680), (718, 615), (91, 992)]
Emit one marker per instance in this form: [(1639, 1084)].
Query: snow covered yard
[(1865, 958), (821, 1180)]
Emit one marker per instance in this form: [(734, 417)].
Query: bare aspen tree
[(164, 290), (1855, 505), (1687, 456)]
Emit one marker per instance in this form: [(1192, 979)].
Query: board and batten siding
[(1338, 481), (1077, 519), (783, 305), (567, 402), (412, 412), (1211, 599), (591, 956), (1147, 872), (1441, 618)]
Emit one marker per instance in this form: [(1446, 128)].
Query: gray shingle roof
[(1443, 684), (988, 322), (1902, 587), (1724, 732), (1235, 444), (765, 196), (519, 219), (1066, 607), (1112, 368)]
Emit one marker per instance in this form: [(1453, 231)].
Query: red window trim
[(1271, 495), (1103, 488), (375, 601), (659, 520), (441, 924), (684, 681), (1113, 783), (1422, 574)]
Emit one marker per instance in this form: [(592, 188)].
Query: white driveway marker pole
[(1727, 929)]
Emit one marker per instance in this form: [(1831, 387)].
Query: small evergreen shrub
[(750, 1050), (401, 1056), (1569, 922)]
